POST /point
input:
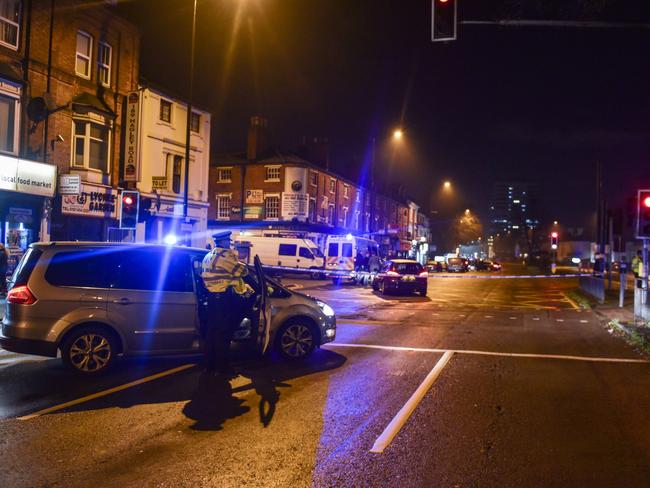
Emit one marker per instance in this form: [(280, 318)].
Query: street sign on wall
[(25, 176), (92, 201), (295, 205), (255, 196), (69, 185), (158, 182), (131, 149)]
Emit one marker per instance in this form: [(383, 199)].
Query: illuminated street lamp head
[(467, 211), (397, 134), (555, 222), (447, 185)]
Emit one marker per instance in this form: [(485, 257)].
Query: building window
[(224, 175), (8, 124), (104, 59), (312, 210), (9, 23), (165, 111), (195, 122), (272, 173), (332, 186), (84, 54), (91, 145), (358, 196), (345, 216), (272, 207), (223, 207), (313, 179), (330, 214), (356, 220), (177, 173), (346, 191)]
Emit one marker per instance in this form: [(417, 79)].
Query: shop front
[(88, 215), (26, 188), (167, 220)]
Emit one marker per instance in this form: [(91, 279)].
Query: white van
[(342, 250), (290, 252)]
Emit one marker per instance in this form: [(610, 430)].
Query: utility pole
[(188, 132)]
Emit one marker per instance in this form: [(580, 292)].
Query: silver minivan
[(94, 301)]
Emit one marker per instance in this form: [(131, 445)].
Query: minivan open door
[(262, 310)]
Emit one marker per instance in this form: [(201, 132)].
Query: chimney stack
[(256, 137)]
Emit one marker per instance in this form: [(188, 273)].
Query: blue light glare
[(170, 239)]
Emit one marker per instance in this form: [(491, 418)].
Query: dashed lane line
[(494, 353), (409, 407), (104, 393)]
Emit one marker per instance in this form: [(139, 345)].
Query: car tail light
[(424, 274), (21, 295), (392, 273)]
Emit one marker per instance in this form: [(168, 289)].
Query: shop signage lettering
[(93, 201), (254, 196), (159, 182), (295, 205), (132, 163), (69, 184), (26, 176)]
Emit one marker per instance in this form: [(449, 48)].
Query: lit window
[(9, 23), (346, 191), (224, 175), (91, 145), (332, 186), (272, 207), (313, 178), (330, 214), (104, 58), (9, 115), (195, 122), (177, 173), (165, 111), (272, 173), (84, 53), (223, 207)]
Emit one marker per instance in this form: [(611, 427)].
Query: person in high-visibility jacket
[(637, 264), (228, 301)]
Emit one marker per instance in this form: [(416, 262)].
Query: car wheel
[(374, 285), (316, 275), (296, 340), (382, 288), (89, 350)]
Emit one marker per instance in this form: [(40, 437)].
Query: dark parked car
[(401, 275), (457, 265), (486, 265)]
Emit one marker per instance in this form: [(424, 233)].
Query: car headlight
[(327, 310)]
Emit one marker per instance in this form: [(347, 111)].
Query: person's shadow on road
[(214, 401)]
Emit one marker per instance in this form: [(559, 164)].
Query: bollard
[(622, 278)]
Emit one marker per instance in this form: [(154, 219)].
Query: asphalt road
[(507, 382)]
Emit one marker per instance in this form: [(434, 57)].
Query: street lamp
[(447, 185), (189, 116), (397, 135)]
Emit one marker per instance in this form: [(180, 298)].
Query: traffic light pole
[(644, 275)]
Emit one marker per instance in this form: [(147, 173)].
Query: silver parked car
[(94, 301)]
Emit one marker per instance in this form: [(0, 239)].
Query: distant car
[(495, 266), (435, 267), (401, 275), (457, 265)]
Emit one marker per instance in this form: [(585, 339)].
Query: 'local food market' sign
[(26, 176), (93, 201)]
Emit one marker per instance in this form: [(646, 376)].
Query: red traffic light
[(443, 1), (554, 235), (128, 200), (646, 202)]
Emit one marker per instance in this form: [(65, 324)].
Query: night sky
[(500, 103)]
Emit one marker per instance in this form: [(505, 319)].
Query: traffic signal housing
[(643, 215), (443, 20), (554, 239), (129, 205)]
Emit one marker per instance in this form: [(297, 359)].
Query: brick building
[(65, 69), (269, 192)]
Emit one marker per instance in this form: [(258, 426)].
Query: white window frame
[(223, 212), (16, 25), (171, 111), (309, 215), (332, 185), (220, 178), (313, 178), (268, 196), (171, 157), (13, 91), (358, 196), (101, 66), (272, 167), (330, 214), (346, 191), (345, 216), (88, 57), (198, 127), (88, 121)]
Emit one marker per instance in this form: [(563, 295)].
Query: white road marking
[(584, 321), (104, 393), (405, 412), (535, 318), (559, 320), (489, 317), (494, 353), (513, 318)]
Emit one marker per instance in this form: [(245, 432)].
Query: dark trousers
[(225, 311)]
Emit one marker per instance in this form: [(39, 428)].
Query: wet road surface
[(531, 391)]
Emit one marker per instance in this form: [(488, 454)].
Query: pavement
[(481, 383)]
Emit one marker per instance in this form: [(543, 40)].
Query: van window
[(347, 250), (25, 267), (85, 268), (153, 270), (316, 252), (305, 253), (333, 249), (288, 249)]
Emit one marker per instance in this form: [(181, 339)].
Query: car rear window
[(333, 249), (87, 268), (407, 268), (25, 267), (455, 261)]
